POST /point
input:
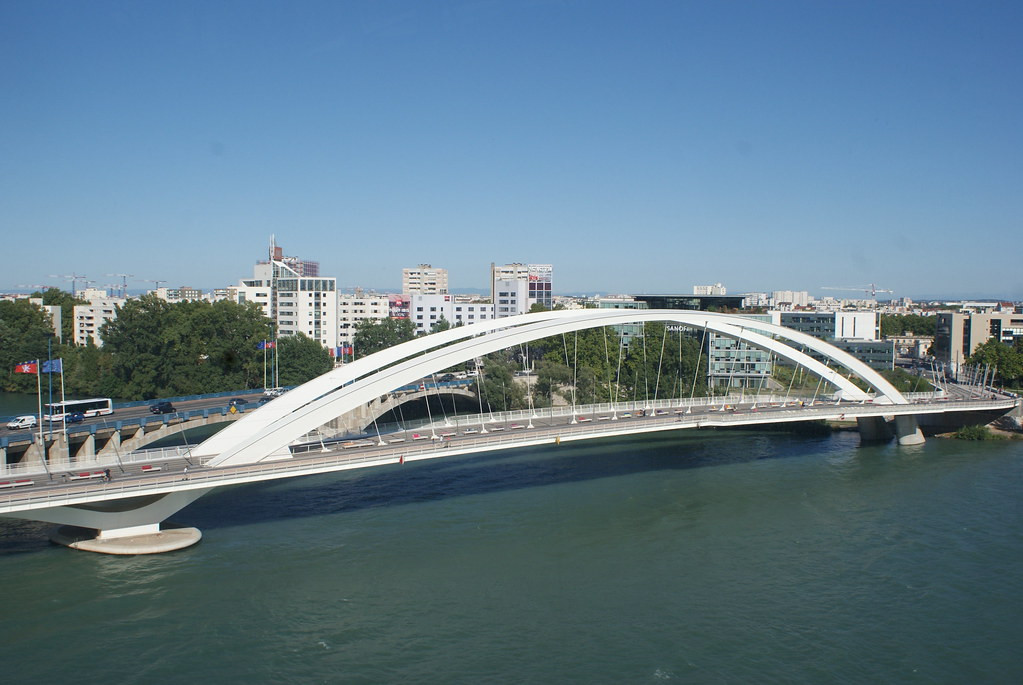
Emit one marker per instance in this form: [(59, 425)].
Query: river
[(703, 557)]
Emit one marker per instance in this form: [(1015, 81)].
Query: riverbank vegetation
[(156, 348)]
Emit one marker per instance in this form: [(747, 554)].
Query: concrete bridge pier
[(908, 431), (122, 526), (904, 428)]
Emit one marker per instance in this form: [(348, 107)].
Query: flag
[(267, 344), (53, 366), (347, 349), (27, 367)]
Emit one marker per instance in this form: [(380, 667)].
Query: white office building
[(716, 289), (537, 277), (428, 310), (511, 297), (296, 303)]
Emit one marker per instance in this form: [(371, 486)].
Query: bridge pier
[(908, 431), (125, 526), (904, 428)]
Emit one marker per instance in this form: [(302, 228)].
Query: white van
[(28, 421)]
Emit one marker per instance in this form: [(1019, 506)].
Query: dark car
[(238, 401), (74, 417), (162, 408)]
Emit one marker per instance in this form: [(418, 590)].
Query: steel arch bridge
[(267, 432)]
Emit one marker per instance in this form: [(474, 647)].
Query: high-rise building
[(424, 280), (295, 302)]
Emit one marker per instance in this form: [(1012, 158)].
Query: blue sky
[(639, 147)]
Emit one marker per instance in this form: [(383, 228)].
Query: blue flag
[(52, 366)]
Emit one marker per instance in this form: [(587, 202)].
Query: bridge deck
[(157, 472)]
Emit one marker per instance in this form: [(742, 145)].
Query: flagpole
[(49, 377), (39, 397), (42, 443), (67, 437)]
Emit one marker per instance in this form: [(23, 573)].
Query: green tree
[(442, 324), (1006, 360), (373, 335), (500, 391), (551, 376), (25, 330), (907, 324), (301, 359), (159, 349)]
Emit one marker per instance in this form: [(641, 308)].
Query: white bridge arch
[(267, 432)]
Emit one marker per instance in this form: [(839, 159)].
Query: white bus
[(58, 411)]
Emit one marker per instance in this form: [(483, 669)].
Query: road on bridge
[(146, 472)]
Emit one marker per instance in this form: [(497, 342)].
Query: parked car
[(21, 422), (74, 417), (162, 408)]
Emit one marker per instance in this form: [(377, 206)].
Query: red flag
[(27, 367)]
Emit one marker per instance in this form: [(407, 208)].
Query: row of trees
[(1005, 361), (907, 324), (157, 349)]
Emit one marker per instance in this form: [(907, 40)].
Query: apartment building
[(424, 279)]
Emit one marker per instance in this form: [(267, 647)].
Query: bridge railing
[(106, 424), (156, 455), (593, 412)]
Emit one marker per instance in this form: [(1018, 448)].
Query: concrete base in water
[(167, 540)]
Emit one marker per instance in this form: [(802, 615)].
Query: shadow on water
[(441, 479), (435, 480)]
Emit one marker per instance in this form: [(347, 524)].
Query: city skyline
[(645, 149)]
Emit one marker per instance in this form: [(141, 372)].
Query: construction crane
[(155, 281), (124, 282), (73, 277), (871, 289)]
